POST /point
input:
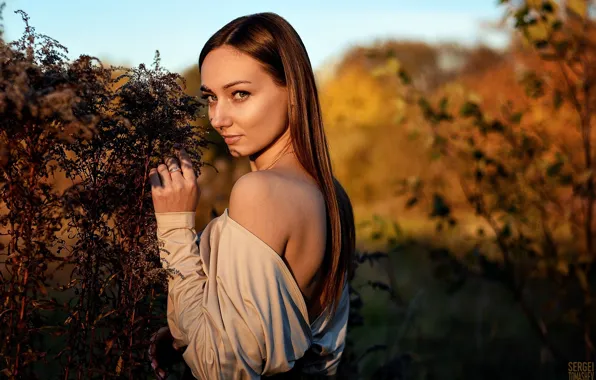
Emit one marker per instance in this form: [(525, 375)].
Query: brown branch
[(516, 289)]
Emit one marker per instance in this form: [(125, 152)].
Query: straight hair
[(272, 41)]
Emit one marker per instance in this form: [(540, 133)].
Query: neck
[(280, 149)]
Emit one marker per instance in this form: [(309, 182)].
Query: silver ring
[(174, 170)]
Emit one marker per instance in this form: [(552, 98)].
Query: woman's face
[(244, 101)]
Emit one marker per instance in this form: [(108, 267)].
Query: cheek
[(267, 118)]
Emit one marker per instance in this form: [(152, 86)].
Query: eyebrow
[(231, 84)]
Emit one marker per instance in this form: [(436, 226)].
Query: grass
[(476, 332)]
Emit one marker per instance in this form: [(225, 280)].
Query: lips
[(231, 139)]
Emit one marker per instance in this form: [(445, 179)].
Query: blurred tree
[(421, 61), (369, 117), (520, 148)]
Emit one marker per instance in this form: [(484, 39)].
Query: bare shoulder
[(272, 206), (251, 202)]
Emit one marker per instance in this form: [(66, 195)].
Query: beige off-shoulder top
[(235, 305)]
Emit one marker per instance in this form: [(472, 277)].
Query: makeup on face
[(246, 107)]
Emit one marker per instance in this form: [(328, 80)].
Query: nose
[(219, 116)]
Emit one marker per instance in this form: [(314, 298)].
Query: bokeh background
[(463, 143)]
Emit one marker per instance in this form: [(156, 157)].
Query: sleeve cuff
[(182, 219)]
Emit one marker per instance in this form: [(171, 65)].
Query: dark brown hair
[(272, 41)]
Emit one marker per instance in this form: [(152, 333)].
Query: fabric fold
[(235, 305)]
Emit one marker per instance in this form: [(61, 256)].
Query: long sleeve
[(179, 255), (207, 354), (232, 301)]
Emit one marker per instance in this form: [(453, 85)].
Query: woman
[(264, 290)]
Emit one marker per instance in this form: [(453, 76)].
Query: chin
[(235, 153)]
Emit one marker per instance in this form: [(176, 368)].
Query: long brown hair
[(272, 41)]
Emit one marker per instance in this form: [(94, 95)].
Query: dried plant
[(102, 128)]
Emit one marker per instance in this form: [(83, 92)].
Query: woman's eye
[(241, 95), (209, 98)]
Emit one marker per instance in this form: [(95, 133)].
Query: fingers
[(154, 179), (166, 179), (186, 165), (172, 163), (152, 358), (163, 177), (159, 372)]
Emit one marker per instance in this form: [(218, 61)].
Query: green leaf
[(440, 207), (397, 229), (496, 126), (547, 7), (470, 109), (439, 141), (516, 117), (505, 231), (533, 84), (520, 16), (478, 154), (557, 99), (443, 104), (405, 78), (554, 169), (479, 175), (411, 202), (413, 135), (541, 44), (566, 179), (426, 108), (561, 47)]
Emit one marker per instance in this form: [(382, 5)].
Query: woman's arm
[(164, 350), (231, 299), (179, 254)]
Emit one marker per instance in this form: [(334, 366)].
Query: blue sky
[(129, 31)]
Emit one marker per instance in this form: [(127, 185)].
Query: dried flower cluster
[(102, 128)]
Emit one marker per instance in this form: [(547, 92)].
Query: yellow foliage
[(355, 99), (537, 32), (370, 128), (579, 7)]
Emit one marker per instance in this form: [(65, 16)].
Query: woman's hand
[(162, 352), (174, 186)]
